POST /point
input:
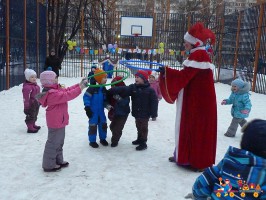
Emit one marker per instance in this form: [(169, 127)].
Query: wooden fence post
[(237, 42), (37, 37), (257, 47), (220, 47), (25, 34), (7, 45), (82, 41)]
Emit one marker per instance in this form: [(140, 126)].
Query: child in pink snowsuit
[(154, 83), (55, 99), (30, 89)]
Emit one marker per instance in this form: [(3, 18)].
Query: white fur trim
[(179, 104), (191, 39), (199, 65), (198, 48)]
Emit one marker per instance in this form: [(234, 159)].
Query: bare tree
[(202, 10), (58, 20)]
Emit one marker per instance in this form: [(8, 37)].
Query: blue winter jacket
[(96, 99), (238, 166), (240, 101)]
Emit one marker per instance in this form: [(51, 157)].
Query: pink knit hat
[(47, 78)]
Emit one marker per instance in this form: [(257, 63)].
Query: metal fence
[(22, 39), (239, 51)]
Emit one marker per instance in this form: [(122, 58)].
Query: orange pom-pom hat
[(99, 77)]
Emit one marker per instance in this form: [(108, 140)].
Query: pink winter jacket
[(55, 99), (156, 87), (29, 91)]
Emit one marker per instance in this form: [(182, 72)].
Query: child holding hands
[(241, 105), (55, 99), (144, 105), (95, 100), (119, 112)]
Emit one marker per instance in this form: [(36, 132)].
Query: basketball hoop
[(136, 34)]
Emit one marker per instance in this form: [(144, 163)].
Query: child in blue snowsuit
[(95, 100), (241, 105)]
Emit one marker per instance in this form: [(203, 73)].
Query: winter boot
[(94, 144), (142, 146), (171, 159), (64, 164), (104, 142), (114, 144), (55, 169), (136, 142), (31, 129), (36, 127)]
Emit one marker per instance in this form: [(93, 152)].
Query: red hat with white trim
[(198, 35)]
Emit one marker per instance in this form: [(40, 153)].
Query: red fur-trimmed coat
[(196, 115)]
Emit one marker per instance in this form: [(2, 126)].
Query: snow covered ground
[(105, 173)]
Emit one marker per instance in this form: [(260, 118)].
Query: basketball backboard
[(136, 26)]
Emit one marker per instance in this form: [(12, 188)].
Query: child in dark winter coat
[(118, 114), (144, 105), (241, 105), (55, 99), (154, 83), (95, 100), (241, 174), (31, 106)]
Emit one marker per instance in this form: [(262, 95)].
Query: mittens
[(88, 111), (83, 83), (223, 102), (108, 107), (117, 97), (244, 112)]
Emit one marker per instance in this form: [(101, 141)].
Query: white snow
[(106, 173)]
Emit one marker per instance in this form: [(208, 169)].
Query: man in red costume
[(196, 111)]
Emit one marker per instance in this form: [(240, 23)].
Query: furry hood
[(244, 89)]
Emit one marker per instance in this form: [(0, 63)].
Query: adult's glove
[(88, 111), (27, 111)]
